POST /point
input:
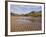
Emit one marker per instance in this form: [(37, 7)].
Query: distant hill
[(14, 14), (33, 13)]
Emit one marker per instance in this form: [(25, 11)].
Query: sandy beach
[(25, 23)]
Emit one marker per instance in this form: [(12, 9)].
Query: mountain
[(33, 13)]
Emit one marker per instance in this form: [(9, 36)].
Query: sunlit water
[(24, 20)]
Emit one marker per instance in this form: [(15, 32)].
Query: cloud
[(23, 9)]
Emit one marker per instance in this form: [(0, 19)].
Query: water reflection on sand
[(25, 20)]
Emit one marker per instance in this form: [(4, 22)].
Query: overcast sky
[(23, 9)]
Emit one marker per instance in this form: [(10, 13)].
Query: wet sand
[(25, 23)]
